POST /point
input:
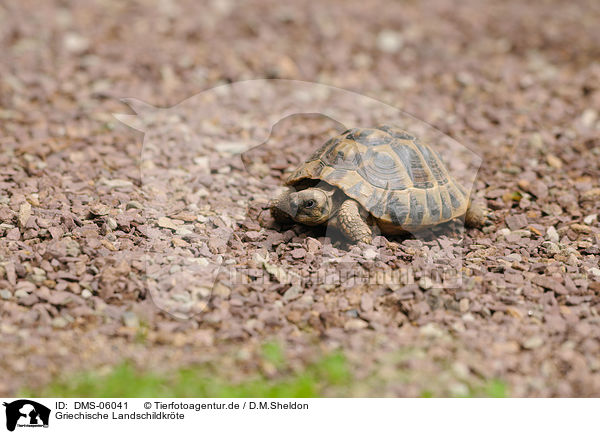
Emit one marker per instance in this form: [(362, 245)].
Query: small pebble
[(167, 223), (593, 194), (458, 389), (366, 303), (552, 234), (99, 209), (461, 370), (551, 248), (431, 330), (21, 293), (503, 233), (130, 319), (72, 248), (111, 223), (554, 161), (221, 290), (588, 220), (134, 204), (515, 222), (252, 236), (514, 257), (24, 214), (389, 41), (59, 322), (582, 229), (313, 245), (298, 253), (370, 254), (522, 233), (355, 324), (573, 260), (425, 283), (533, 342), (293, 293), (306, 299)]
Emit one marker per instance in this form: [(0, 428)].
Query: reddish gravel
[(101, 243)]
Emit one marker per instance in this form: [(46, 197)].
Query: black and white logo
[(25, 413)]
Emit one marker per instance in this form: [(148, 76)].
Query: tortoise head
[(312, 206)]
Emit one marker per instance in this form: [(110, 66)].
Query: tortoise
[(367, 180)]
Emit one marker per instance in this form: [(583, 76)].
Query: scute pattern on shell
[(398, 179)]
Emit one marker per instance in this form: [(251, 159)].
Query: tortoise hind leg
[(352, 223), (476, 216)]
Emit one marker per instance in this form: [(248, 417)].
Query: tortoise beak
[(285, 206), (293, 202)]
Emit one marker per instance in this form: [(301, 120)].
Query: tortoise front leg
[(352, 223)]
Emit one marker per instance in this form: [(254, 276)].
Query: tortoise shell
[(396, 178)]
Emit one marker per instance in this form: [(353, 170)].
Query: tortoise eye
[(310, 203)]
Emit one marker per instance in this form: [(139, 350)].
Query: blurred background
[(516, 81)]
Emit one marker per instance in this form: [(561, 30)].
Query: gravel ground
[(108, 236)]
